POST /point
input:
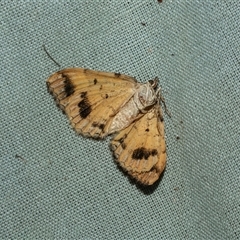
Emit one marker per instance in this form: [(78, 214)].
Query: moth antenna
[(45, 50), (161, 98)]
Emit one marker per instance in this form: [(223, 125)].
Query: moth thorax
[(145, 97)]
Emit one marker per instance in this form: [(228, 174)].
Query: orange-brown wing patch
[(90, 98), (140, 148)]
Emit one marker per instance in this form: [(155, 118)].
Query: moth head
[(146, 96)]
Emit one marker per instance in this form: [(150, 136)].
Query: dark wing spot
[(142, 152), (161, 118), (154, 152), (100, 126), (95, 81), (123, 145), (84, 108), (117, 74), (94, 124), (68, 86), (146, 130), (106, 96), (83, 94), (121, 141)]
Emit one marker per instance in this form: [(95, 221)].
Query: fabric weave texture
[(58, 185)]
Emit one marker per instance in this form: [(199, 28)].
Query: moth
[(99, 104)]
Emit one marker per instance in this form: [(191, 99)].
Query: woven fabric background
[(58, 185)]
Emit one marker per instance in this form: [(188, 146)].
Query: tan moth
[(103, 103)]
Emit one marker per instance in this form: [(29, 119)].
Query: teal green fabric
[(58, 185)]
